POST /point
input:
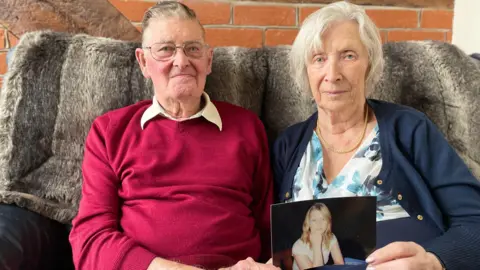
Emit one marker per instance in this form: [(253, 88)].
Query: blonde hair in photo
[(323, 209)]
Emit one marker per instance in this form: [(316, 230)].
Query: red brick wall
[(269, 23), (255, 24), (7, 40)]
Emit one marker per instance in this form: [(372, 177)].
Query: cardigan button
[(379, 182), (420, 217), (399, 197), (287, 195)]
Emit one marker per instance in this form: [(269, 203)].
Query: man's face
[(183, 75)]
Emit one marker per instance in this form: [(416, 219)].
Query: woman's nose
[(332, 71)]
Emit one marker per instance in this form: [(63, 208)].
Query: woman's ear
[(367, 72), (140, 55)]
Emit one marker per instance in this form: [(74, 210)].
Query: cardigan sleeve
[(278, 160), (96, 239), (457, 193)]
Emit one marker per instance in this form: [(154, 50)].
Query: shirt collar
[(209, 112)]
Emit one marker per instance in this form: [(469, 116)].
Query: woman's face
[(337, 72), (318, 223)]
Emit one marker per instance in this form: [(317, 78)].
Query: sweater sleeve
[(457, 193), (263, 193), (95, 237)]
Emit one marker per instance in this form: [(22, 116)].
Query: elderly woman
[(428, 202)]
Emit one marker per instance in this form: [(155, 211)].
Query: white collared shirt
[(209, 112)]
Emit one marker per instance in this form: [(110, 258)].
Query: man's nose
[(180, 60)]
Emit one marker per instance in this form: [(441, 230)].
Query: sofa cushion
[(285, 104), (58, 84)]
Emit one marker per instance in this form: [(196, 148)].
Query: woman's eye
[(319, 59), (350, 56)]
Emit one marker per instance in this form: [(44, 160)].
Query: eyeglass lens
[(162, 51)]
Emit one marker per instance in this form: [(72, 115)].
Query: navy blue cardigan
[(438, 190)]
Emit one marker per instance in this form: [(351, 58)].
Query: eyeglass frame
[(204, 45)]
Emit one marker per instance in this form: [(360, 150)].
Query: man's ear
[(210, 60), (140, 55)]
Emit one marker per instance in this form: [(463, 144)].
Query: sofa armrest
[(31, 241)]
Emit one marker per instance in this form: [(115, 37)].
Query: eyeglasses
[(165, 51)]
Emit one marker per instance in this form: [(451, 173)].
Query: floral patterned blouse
[(356, 178)]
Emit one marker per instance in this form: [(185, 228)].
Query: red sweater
[(183, 191)]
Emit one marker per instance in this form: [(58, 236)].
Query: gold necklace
[(330, 148)]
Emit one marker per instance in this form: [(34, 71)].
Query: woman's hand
[(250, 264), (403, 255), (316, 239)]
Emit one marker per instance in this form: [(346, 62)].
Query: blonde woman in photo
[(317, 242)]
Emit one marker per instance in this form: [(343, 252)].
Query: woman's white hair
[(309, 40)]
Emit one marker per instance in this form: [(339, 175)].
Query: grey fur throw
[(58, 83)]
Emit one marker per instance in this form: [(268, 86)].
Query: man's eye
[(166, 49), (193, 48)]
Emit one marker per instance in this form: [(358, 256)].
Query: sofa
[(57, 83)]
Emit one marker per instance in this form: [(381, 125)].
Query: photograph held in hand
[(334, 233)]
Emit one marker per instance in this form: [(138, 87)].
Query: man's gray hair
[(169, 9), (309, 39)]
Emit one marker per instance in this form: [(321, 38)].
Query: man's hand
[(250, 264), (161, 264), (403, 255)]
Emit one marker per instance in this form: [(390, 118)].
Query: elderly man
[(179, 181)]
